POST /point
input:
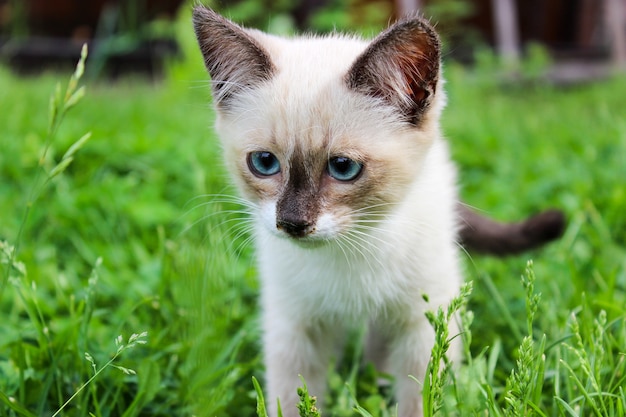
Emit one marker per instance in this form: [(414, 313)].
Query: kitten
[(336, 144)]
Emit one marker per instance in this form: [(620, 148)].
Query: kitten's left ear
[(401, 66)]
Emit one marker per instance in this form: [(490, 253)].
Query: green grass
[(126, 240)]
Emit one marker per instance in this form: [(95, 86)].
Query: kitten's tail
[(485, 235)]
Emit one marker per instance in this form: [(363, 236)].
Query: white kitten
[(336, 143)]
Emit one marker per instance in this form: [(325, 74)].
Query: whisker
[(212, 215), (357, 249), (358, 230), (249, 238), (364, 248), (237, 223), (343, 249), (467, 254)]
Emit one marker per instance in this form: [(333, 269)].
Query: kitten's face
[(323, 135), (318, 162)]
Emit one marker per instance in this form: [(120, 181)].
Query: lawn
[(131, 238)]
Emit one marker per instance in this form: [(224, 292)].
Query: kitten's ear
[(233, 58), (400, 66)]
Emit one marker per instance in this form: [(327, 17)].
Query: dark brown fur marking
[(233, 58), (411, 48), (484, 235), (298, 207)]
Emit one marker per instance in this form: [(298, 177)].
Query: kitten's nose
[(294, 228)]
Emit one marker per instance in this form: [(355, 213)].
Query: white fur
[(312, 291)]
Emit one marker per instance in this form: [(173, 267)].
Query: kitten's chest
[(331, 281)]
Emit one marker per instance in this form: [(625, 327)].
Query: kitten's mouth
[(307, 242)]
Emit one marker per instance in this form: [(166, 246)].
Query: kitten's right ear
[(233, 58)]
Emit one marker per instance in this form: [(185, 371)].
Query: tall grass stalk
[(59, 105), (134, 340), (439, 366), (524, 385)]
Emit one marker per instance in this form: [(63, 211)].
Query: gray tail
[(481, 234)]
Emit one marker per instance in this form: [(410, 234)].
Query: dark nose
[(295, 228)]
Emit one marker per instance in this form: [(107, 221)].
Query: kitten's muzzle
[(294, 228)]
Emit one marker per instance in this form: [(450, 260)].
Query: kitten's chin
[(309, 241), (305, 241)]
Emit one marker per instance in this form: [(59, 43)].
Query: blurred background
[(583, 38)]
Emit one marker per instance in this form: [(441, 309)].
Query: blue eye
[(263, 163), (343, 169)]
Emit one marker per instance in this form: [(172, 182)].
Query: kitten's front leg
[(409, 355), (294, 348)]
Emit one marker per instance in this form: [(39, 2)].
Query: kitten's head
[(323, 134)]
